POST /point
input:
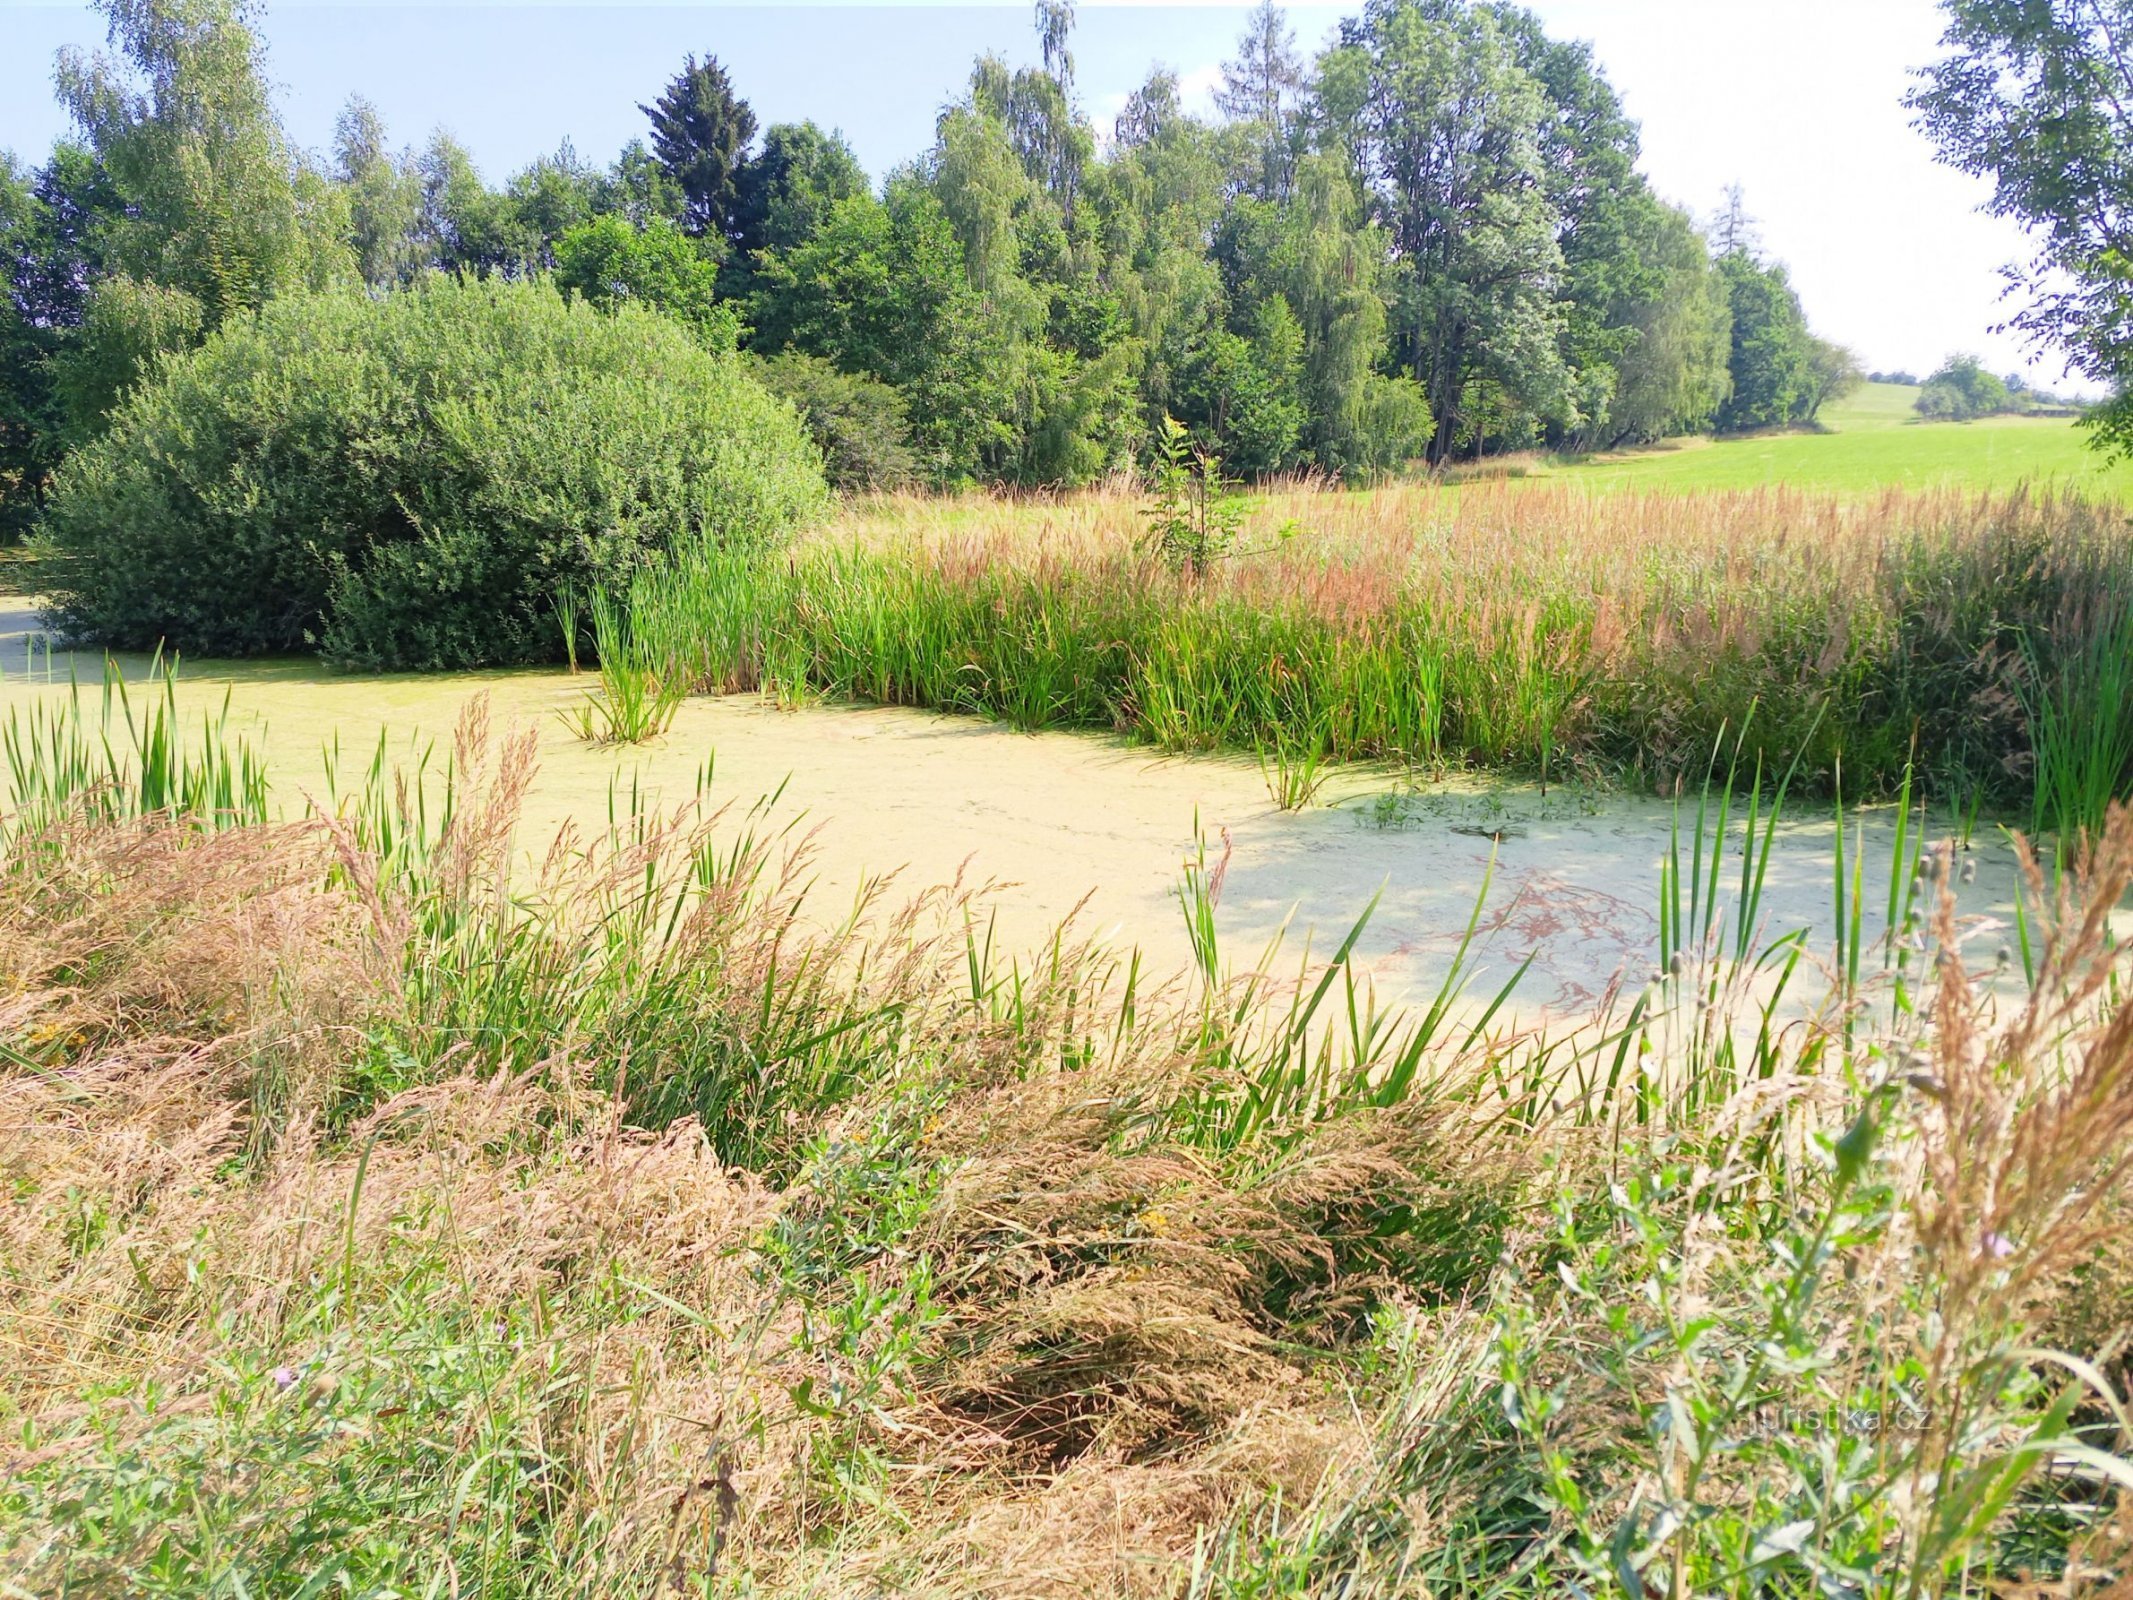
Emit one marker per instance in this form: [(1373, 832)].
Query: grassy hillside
[(1873, 442)]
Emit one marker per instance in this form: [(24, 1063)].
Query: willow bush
[(410, 481)]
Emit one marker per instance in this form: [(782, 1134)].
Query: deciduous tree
[(1448, 131), (1262, 92), (2037, 97)]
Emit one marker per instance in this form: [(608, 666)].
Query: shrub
[(609, 263), (1963, 390), (408, 482), (858, 422)]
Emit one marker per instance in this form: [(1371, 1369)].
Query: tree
[(1055, 30), (1733, 231), (701, 131), (1446, 126), (609, 263), (180, 119), (1148, 112), (51, 222), (2034, 95), (1772, 358), (1675, 372), (212, 218), (639, 190), (546, 200), (1318, 256), (881, 290), (25, 404), (463, 226), (985, 190), (384, 198), (1037, 110), (1242, 392), (1589, 150), (56, 252), (785, 194), (1833, 372), (1262, 91), (1962, 389)]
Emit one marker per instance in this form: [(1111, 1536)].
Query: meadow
[(383, 1223), (1865, 443)]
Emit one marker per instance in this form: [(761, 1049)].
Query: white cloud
[(1196, 88)]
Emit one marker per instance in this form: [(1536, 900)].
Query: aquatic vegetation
[(2081, 719), (636, 700)]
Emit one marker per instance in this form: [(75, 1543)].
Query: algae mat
[(1061, 828)]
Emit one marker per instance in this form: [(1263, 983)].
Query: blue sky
[(1798, 100)]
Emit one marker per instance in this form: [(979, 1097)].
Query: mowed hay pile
[(380, 1220)]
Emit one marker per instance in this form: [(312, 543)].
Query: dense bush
[(860, 423), (409, 481), (1962, 390)]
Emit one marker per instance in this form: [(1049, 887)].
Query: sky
[(1798, 101)]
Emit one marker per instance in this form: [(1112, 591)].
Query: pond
[(1056, 828)]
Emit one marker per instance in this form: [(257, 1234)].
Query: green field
[(1872, 441)]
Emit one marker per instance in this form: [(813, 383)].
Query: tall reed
[(1529, 631), (2081, 720), (130, 756)]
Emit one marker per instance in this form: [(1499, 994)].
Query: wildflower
[(284, 1379), (1998, 1246)]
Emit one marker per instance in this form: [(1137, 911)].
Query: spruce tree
[(701, 131)]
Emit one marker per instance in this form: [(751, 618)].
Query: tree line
[(1430, 241)]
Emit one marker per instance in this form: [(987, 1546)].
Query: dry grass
[(865, 1272)]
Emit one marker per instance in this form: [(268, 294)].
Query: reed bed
[(382, 1222), (1516, 628)]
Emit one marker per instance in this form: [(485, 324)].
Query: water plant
[(636, 699), (1293, 763), (131, 757), (2080, 709), (1519, 630)]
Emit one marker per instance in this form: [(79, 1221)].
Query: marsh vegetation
[(1520, 629), (416, 1184), (412, 1225)]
